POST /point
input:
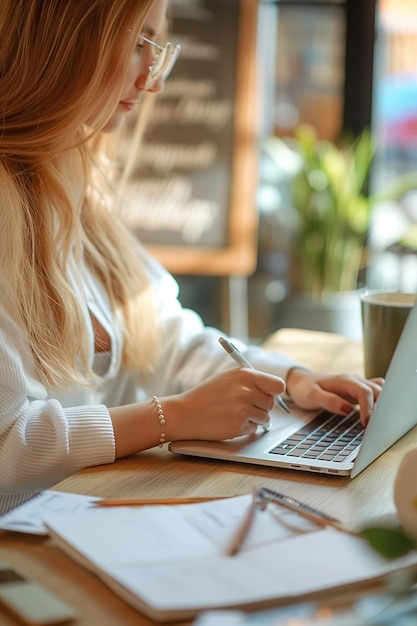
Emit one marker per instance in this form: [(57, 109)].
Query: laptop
[(285, 445)]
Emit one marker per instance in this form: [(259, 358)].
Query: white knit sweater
[(46, 436)]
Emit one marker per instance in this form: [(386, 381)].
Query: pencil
[(243, 529), (154, 501)]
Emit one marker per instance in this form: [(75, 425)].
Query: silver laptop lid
[(396, 410)]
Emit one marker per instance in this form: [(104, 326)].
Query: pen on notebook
[(153, 501), (243, 362)]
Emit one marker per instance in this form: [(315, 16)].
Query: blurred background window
[(394, 232), (395, 86), (343, 67), (310, 67)]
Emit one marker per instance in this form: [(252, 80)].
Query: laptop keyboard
[(328, 437)]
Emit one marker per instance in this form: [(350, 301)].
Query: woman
[(97, 358)]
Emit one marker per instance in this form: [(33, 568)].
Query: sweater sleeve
[(41, 441)]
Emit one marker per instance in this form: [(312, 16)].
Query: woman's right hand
[(224, 406)]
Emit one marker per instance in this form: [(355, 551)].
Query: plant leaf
[(389, 542)]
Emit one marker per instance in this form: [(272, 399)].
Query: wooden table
[(158, 473)]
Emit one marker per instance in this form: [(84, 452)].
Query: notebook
[(394, 414), (170, 562)]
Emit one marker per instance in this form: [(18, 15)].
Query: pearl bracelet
[(161, 417)]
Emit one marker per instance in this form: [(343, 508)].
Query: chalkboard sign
[(191, 189)]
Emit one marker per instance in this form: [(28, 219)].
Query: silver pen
[(266, 495), (260, 499), (243, 362)]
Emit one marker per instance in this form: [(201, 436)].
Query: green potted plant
[(332, 211), (331, 215)]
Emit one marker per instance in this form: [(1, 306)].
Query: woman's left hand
[(336, 393)]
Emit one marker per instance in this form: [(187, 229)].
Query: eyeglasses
[(164, 60)]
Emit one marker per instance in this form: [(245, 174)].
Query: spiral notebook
[(395, 414)]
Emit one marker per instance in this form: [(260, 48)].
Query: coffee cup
[(384, 314)]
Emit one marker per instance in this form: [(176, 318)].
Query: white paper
[(122, 536), (169, 560), (28, 517)]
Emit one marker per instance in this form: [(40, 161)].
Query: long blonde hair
[(55, 57)]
